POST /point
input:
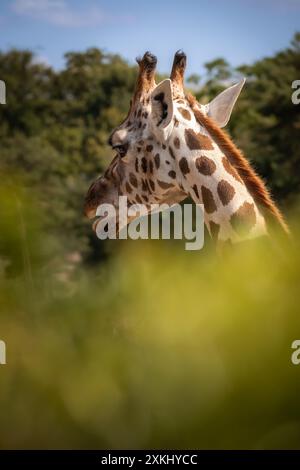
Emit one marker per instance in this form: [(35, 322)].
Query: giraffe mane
[(253, 182)]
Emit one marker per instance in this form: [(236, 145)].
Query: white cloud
[(41, 59), (59, 12)]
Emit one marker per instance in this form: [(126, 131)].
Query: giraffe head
[(143, 169), (165, 153)]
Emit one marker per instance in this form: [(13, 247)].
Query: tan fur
[(145, 80)]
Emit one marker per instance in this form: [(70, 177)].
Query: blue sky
[(239, 30)]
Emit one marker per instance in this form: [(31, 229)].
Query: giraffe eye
[(121, 149)]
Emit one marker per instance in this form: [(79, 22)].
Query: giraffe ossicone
[(170, 147)]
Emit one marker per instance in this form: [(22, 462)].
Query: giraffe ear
[(220, 108), (162, 109)]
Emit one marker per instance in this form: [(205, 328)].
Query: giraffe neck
[(253, 182), (230, 211)]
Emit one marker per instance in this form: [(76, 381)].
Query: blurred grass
[(158, 348)]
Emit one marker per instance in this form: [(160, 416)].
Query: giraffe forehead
[(137, 117), (136, 125), (140, 110)]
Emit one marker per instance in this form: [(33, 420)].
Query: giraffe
[(170, 147)]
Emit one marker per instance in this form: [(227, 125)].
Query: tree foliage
[(54, 130)]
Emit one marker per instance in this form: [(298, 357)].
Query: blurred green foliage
[(159, 347)]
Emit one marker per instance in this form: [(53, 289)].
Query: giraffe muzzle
[(97, 194)]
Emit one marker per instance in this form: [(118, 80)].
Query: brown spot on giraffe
[(205, 165), (138, 199), (196, 190), (152, 185), (184, 166), (244, 219), (164, 185), (172, 174), (128, 187), (208, 200), (144, 164), (225, 191), (171, 151), (231, 170), (149, 148), (198, 141), (136, 165), (177, 142), (185, 113), (145, 186), (157, 160), (133, 180), (214, 229)]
